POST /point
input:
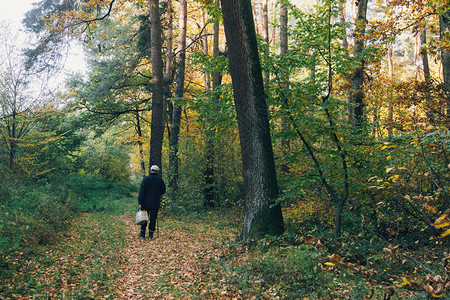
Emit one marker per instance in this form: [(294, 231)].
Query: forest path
[(182, 261)]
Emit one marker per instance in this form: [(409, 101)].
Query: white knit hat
[(154, 168)]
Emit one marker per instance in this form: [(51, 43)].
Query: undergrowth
[(64, 242), (36, 214)]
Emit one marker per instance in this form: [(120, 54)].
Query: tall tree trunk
[(262, 214), (426, 65), (179, 93), (265, 29), (255, 15), (208, 172), (342, 13), (417, 72), (265, 21), (356, 93), (157, 126), (273, 33), (444, 30), (285, 143), (168, 108), (391, 93)]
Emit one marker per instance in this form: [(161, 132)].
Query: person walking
[(152, 188)]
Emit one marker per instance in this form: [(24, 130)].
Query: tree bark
[(179, 93), (265, 21), (444, 30), (157, 126), (285, 143), (140, 146), (390, 62), (342, 13), (265, 29), (356, 93), (426, 65), (262, 213), (416, 57), (208, 172), (168, 78)]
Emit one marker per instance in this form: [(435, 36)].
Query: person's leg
[(152, 225), (143, 227), (142, 233)]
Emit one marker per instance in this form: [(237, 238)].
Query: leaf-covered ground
[(101, 257), (177, 263), (194, 256)]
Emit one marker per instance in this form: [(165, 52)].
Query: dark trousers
[(153, 214)]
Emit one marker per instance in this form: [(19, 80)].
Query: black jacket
[(152, 188)]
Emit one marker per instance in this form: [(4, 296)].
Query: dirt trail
[(175, 264)]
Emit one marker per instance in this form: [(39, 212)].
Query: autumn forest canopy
[(317, 124)]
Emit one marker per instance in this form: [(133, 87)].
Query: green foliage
[(31, 215), (227, 165), (106, 157), (95, 194), (276, 268)]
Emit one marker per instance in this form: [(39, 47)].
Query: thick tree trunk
[(157, 126), (444, 25), (179, 93), (262, 215), (356, 93)]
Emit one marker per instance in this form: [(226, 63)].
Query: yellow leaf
[(442, 224), (441, 218), (404, 282), (431, 208), (447, 232), (384, 147), (437, 296), (330, 264), (389, 169), (394, 178)]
